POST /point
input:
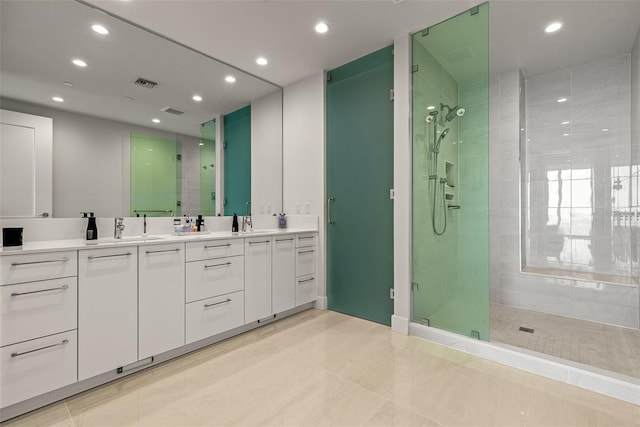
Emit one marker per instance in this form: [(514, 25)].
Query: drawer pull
[(306, 280), (306, 237), (217, 265), (15, 264), (259, 243), (217, 303), (306, 252), (38, 349), (109, 256), (164, 251), (61, 288), (226, 245), (284, 240)]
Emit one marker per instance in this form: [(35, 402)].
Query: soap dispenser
[(92, 228), (234, 224)]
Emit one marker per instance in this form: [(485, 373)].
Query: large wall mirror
[(140, 124)]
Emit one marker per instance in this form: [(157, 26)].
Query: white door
[(284, 273), (26, 143)]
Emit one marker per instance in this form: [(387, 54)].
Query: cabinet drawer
[(31, 267), (214, 315), (38, 366), (214, 249), (305, 240), (305, 290), (206, 279), (32, 310), (305, 261)]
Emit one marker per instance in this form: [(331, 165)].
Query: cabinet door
[(36, 309), (257, 278), (161, 298), (107, 310), (38, 366), (283, 273), (213, 316)]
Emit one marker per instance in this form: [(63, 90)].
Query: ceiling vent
[(145, 83), (174, 111)]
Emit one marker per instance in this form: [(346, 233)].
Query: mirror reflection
[(136, 118)]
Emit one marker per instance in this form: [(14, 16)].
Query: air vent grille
[(174, 111), (145, 83)]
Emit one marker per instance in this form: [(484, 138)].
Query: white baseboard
[(400, 324), (321, 303)]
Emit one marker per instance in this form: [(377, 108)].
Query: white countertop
[(75, 244)]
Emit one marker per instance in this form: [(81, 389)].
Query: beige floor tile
[(55, 415), (392, 415), (325, 368)]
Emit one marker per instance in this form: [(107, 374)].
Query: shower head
[(454, 112), (440, 138)]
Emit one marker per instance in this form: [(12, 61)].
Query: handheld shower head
[(440, 138)]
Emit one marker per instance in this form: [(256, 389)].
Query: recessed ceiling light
[(100, 29), (57, 99), (565, 123), (431, 107), (604, 130), (197, 98), (155, 120), (67, 84), (230, 79), (553, 27), (565, 134), (79, 62), (322, 27), (562, 99), (262, 60)]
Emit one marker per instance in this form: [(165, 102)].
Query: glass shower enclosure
[(450, 247)]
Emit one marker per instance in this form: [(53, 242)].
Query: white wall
[(266, 154), (303, 157), (589, 300)]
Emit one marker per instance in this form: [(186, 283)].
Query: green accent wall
[(155, 176), (359, 115), (237, 161)]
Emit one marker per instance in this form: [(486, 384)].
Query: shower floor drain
[(523, 329)]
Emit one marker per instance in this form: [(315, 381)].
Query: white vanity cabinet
[(257, 278), (305, 268), (283, 273), (38, 321), (215, 275), (107, 309), (161, 295)]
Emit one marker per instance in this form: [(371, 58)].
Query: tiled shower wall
[(595, 301), (635, 153), (578, 168)]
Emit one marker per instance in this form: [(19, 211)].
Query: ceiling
[(40, 38), (239, 31)]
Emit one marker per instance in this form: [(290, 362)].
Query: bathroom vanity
[(75, 316)]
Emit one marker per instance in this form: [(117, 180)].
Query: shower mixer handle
[(451, 207)]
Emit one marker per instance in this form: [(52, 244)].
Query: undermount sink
[(130, 239), (248, 233)]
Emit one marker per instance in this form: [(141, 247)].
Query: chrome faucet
[(118, 228), (247, 222)]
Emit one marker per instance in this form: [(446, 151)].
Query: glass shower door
[(450, 175)]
